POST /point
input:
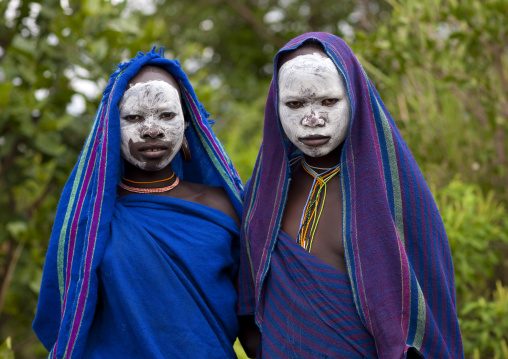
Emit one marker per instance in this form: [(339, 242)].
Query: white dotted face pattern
[(314, 107), (152, 124)]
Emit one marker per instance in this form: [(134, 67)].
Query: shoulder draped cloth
[(69, 289), (396, 250)]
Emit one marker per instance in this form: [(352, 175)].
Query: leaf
[(6, 349), (49, 143), (99, 48), (5, 91), (23, 45), (91, 7), (16, 229)]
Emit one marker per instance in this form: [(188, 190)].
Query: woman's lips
[(153, 154), (314, 140), (153, 150)]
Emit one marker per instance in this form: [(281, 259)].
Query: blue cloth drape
[(166, 282)]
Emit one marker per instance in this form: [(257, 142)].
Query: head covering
[(68, 293), (396, 250)]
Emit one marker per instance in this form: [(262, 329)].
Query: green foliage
[(441, 68), (477, 229), (484, 323), (439, 65)]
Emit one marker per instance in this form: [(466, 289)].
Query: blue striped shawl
[(396, 249), (69, 285), (322, 312)]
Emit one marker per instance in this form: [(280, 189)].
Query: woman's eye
[(330, 101), (168, 115), (294, 104), (133, 118)]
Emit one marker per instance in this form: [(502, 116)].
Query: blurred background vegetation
[(441, 66)]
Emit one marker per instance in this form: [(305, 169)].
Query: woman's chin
[(151, 165)]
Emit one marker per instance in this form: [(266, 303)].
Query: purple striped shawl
[(397, 253)]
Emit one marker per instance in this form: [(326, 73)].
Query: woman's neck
[(137, 177), (327, 161)]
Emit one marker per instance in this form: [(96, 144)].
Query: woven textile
[(396, 250), (320, 311), (166, 291), (68, 293)]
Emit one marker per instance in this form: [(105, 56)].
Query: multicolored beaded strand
[(315, 203)]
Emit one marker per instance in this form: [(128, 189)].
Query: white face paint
[(151, 124), (314, 107)]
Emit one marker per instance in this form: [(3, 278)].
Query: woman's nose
[(152, 131), (313, 120)]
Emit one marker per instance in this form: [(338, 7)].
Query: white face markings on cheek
[(150, 113), (314, 107)]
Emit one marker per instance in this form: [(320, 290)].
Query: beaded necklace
[(315, 203), (149, 190)]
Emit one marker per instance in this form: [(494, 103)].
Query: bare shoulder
[(211, 196)]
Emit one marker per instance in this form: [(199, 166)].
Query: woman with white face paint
[(344, 253), (144, 251), (152, 128)]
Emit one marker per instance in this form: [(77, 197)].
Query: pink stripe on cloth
[(72, 237), (95, 221), (91, 244)]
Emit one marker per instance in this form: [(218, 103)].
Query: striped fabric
[(396, 250), (69, 285), (320, 311)]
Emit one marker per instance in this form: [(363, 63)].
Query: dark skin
[(214, 197), (327, 244), (210, 196)]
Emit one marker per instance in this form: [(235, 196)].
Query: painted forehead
[(150, 93), (153, 73), (305, 49), (314, 62)]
